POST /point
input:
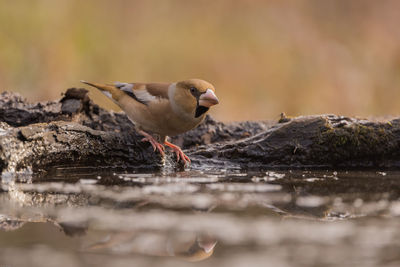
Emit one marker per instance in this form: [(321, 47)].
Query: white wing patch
[(108, 94), (141, 94), (127, 87), (144, 96)]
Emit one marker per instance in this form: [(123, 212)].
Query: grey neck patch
[(178, 110)]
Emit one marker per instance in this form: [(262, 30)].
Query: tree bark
[(75, 131), (321, 141)]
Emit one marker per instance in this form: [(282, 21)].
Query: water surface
[(82, 216)]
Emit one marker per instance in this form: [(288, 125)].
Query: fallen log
[(35, 137), (321, 141)]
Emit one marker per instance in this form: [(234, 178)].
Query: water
[(81, 216)]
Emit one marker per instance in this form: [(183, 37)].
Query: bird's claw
[(155, 145), (179, 153)]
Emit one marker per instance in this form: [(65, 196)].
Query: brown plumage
[(166, 109)]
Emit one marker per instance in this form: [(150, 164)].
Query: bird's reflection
[(186, 246)]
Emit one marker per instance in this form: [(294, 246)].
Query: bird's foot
[(178, 151), (156, 145)]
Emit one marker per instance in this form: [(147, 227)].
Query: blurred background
[(264, 57)]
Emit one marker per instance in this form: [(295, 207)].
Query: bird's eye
[(193, 90)]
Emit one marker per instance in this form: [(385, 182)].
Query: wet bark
[(75, 131), (321, 141)]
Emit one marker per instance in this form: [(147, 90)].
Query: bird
[(163, 109), (188, 246)]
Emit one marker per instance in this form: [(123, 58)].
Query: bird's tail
[(109, 90)]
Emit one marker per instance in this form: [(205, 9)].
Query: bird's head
[(195, 96)]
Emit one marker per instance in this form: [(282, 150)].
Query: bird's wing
[(145, 93), (145, 104), (123, 96)]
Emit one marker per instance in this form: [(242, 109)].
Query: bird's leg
[(156, 145), (178, 151)]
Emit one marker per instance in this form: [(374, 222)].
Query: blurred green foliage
[(264, 57)]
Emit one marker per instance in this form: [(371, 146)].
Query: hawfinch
[(166, 109), (188, 246)]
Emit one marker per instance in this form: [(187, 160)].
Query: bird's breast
[(163, 120), (174, 125)]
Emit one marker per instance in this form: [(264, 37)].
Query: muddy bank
[(76, 131)]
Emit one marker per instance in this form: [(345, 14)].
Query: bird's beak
[(208, 246), (208, 99)]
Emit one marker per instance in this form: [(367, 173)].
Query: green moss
[(356, 140)]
